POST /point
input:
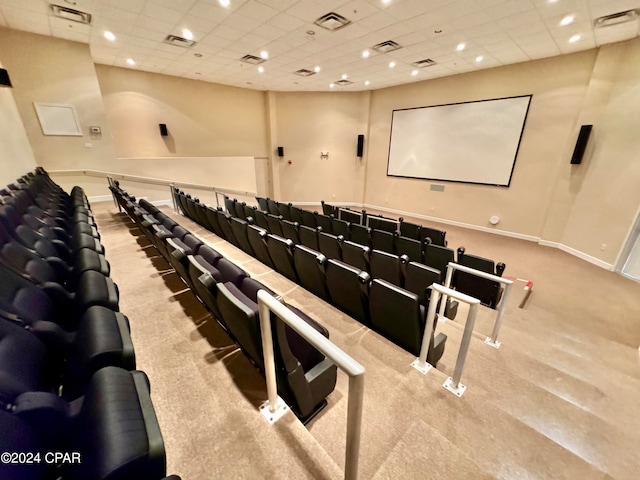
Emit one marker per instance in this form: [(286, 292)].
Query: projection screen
[(472, 142)]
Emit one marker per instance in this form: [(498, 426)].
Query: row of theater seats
[(68, 382), (394, 307), (353, 243), (305, 377)]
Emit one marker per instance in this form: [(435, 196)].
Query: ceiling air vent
[(252, 59), (343, 83), (386, 47), (332, 21), (427, 62), (71, 14), (616, 18), (179, 41), (303, 72)]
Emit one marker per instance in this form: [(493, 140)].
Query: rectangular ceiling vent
[(71, 14), (252, 59), (344, 83), (616, 18), (386, 47), (303, 72), (332, 21), (179, 41), (427, 62)]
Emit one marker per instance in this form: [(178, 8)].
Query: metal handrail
[(266, 304), (452, 383), (493, 339)]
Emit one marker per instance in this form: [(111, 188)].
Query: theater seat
[(257, 239), (438, 257), (387, 266), (290, 231), (356, 255), (360, 234), (349, 289), (239, 228), (280, 251), (383, 240), (487, 291), (330, 245), (308, 237), (410, 230), (409, 247), (437, 237), (310, 267)]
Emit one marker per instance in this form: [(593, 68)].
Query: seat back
[(261, 219), (284, 210), (379, 222), (438, 257), (249, 211), (239, 212), (360, 234), (327, 209), (329, 245), (290, 231), (387, 266), (410, 230), (340, 227), (383, 240), (257, 240), (274, 225), (272, 207), (324, 221), (212, 216), (419, 277), (308, 218), (310, 267), (356, 255), (296, 215), (348, 289), (350, 216), (308, 237), (230, 205), (224, 222), (282, 256), (487, 291), (410, 247), (262, 203), (239, 228), (438, 237), (396, 314)]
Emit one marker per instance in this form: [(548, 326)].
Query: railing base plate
[(273, 417), (495, 344), (422, 369), (457, 391)]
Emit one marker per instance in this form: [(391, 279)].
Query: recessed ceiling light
[(461, 46), (574, 39), (224, 3), (552, 1), (392, 64), (479, 58), (264, 54), (366, 82), (567, 20), (260, 69), (316, 68), (344, 76), (386, 2), (331, 85), (186, 33), (365, 54), (109, 36), (130, 61), (414, 72), (197, 55)]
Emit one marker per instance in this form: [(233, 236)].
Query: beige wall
[(17, 157), (309, 123), (45, 69), (203, 119)]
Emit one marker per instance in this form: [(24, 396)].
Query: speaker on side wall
[(581, 144), (281, 151), (163, 129), (4, 78), (360, 150)]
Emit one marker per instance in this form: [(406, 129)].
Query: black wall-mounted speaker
[(4, 78), (360, 149), (281, 151), (163, 130), (581, 144)]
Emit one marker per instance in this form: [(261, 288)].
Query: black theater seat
[(360, 234), (410, 230), (356, 255), (330, 245), (290, 231), (383, 240), (438, 257), (310, 266), (348, 289), (257, 239), (308, 237), (409, 247), (296, 215), (239, 228), (437, 237), (324, 222), (340, 227), (308, 218), (387, 266), (487, 291), (224, 222), (274, 224), (260, 218), (280, 251), (284, 210)]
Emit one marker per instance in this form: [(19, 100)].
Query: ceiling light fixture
[(264, 54), (574, 38), (344, 76), (131, 61), (414, 72), (186, 33), (260, 69), (197, 55), (224, 3), (479, 58), (461, 46), (365, 54), (366, 82), (392, 64), (316, 69), (109, 36), (568, 20), (331, 85)]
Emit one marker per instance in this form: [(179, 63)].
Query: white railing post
[(493, 339), (445, 298), (173, 198), (453, 384), (420, 363), (274, 408)]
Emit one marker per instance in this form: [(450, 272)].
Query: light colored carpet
[(559, 399)]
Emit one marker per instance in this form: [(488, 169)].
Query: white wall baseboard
[(100, 198), (578, 253), (318, 204)]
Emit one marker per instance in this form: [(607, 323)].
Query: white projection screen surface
[(472, 142)]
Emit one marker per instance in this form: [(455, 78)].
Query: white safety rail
[(275, 407), (359, 214), (493, 339), (452, 383)]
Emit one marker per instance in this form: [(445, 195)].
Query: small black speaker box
[(4, 78), (360, 149), (163, 130), (281, 151), (581, 144)]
